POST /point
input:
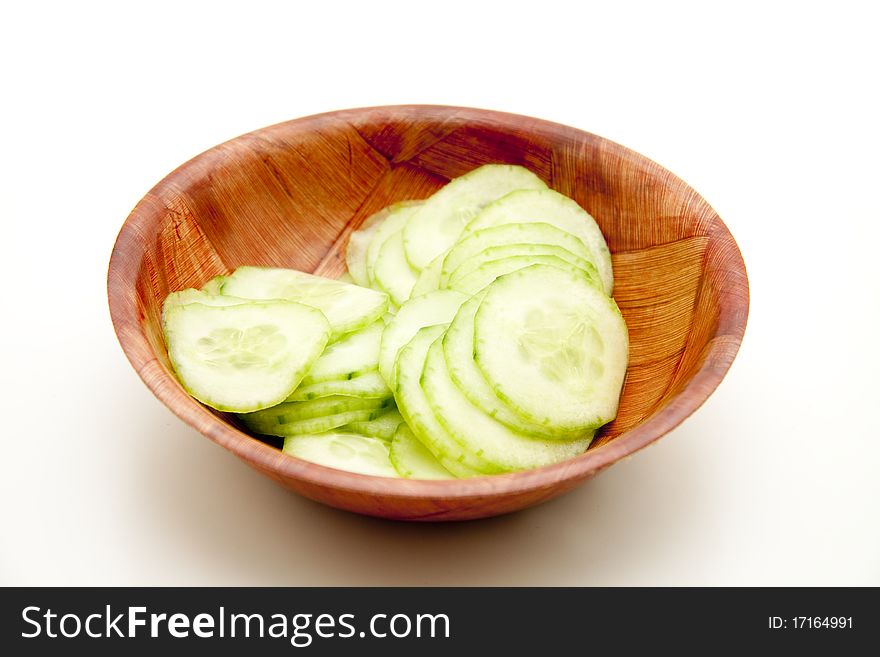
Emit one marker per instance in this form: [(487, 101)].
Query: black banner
[(333, 621)]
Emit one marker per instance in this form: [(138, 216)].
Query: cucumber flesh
[(509, 450), (392, 272), (370, 385), (533, 233), (436, 307), (458, 349), (398, 216), (419, 416), (548, 206), (382, 427), (243, 357), (511, 250), (347, 307), (268, 420), (214, 285), (325, 423), (354, 355), (190, 295), (553, 347), (412, 459), (481, 277), (359, 242), (343, 451), (429, 278), (434, 228)]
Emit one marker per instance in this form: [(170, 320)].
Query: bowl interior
[(291, 194)]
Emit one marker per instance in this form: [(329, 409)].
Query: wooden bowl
[(290, 195)]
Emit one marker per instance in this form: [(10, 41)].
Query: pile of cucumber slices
[(475, 334)]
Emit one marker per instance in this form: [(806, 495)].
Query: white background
[(769, 110)]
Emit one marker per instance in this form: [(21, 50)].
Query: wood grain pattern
[(290, 195)]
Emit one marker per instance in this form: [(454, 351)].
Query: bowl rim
[(723, 345)]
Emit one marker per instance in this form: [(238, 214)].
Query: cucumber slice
[(438, 223), (398, 215), (412, 460), (497, 443), (359, 242), (550, 207), (458, 348), (325, 423), (392, 272), (343, 451), (272, 421), (354, 355), (382, 427), (479, 278), (553, 347), (535, 233), (429, 278), (243, 357), (370, 385), (477, 260), (191, 295), (433, 308), (347, 307), (414, 408), (214, 286)]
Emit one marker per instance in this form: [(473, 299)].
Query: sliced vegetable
[(214, 285), (479, 433), (323, 423), (359, 242), (553, 347), (437, 224), (343, 451), (392, 272), (429, 278), (243, 357), (354, 355), (421, 418), (398, 216), (471, 335), (477, 260), (433, 308), (271, 420), (347, 307), (382, 427), (191, 295), (458, 349), (370, 385), (534, 234), (412, 459), (548, 206), (479, 278)]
